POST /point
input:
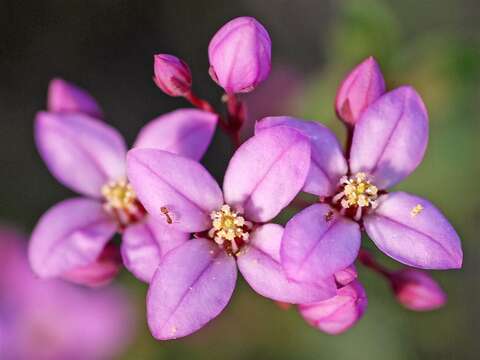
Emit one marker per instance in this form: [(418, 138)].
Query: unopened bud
[(172, 75), (240, 55)]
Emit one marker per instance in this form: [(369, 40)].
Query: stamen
[(229, 229), (416, 210), (121, 203)]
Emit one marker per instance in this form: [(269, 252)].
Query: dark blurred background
[(107, 47)]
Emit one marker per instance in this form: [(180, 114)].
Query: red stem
[(367, 260)]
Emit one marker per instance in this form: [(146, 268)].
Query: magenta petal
[(339, 313), (413, 231), (71, 234), (81, 152), (187, 132), (259, 263), (66, 97), (181, 185), (346, 276), (318, 242), (144, 245), (328, 163), (192, 285), (391, 137), (267, 172)]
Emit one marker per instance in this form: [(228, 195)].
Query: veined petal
[(187, 132), (328, 163), (391, 137), (337, 314), (318, 242), (144, 245), (173, 183), (71, 234), (66, 97), (267, 172), (413, 231), (192, 285), (259, 263), (81, 152)]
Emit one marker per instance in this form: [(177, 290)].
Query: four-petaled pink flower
[(53, 320), (195, 281), (88, 156), (389, 142)]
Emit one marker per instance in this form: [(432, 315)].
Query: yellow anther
[(119, 195), (357, 191), (417, 209), (228, 225)]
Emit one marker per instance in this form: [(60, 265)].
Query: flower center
[(356, 192), (229, 229), (122, 203)]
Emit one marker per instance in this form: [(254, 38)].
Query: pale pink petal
[(187, 132), (267, 172), (81, 152), (166, 181), (328, 163), (413, 231), (259, 263), (144, 245), (72, 233), (391, 137), (318, 242), (192, 285)]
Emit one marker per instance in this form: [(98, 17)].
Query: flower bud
[(339, 313), (417, 291), (66, 97), (100, 272), (346, 276), (240, 55), (362, 86), (172, 75)]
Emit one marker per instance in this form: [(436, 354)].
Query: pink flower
[(362, 86), (48, 320), (88, 156), (195, 281), (240, 55), (172, 75), (417, 291), (389, 142)]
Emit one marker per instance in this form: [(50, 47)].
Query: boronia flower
[(195, 281), (240, 55), (389, 142), (88, 156)]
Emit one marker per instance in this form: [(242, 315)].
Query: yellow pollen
[(119, 195), (416, 210), (228, 225), (357, 191)]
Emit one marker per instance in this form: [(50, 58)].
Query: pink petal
[(318, 242), (81, 152), (391, 137), (100, 272), (66, 97), (259, 263), (71, 234), (192, 285), (187, 132), (181, 185), (267, 172), (328, 163), (340, 313), (413, 231), (346, 276), (144, 245)]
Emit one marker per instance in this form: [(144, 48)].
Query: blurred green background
[(107, 47)]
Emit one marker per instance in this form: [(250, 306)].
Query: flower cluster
[(186, 236)]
